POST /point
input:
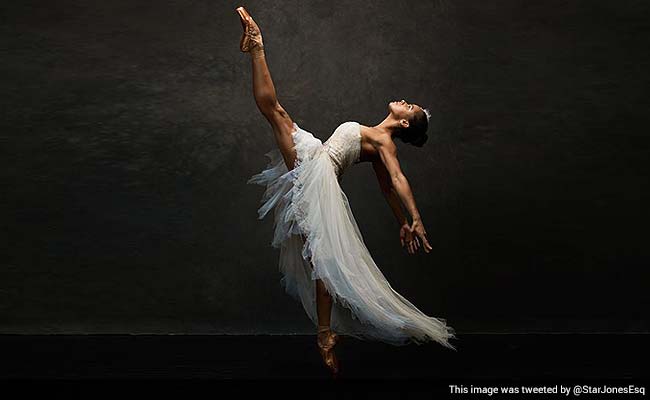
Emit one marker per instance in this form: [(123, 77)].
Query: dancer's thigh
[(283, 128)]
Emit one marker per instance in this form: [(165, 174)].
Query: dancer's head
[(412, 122)]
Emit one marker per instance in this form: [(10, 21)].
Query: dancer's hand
[(417, 228), (406, 236)]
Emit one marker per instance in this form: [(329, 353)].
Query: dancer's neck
[(388, 126)]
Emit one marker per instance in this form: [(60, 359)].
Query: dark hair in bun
[(416, 133)]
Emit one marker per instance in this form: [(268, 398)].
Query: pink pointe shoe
[(326, 342), (252, 36)]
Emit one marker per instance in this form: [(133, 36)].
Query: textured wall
[(129, 130)]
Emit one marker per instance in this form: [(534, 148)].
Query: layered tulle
[(318, 238)]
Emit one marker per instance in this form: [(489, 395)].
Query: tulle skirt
[(318, 238)]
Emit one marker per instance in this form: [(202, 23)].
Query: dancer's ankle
[(257, 52)]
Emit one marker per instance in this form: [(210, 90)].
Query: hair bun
[(420, 140)]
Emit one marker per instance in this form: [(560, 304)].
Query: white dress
[(314, 225)]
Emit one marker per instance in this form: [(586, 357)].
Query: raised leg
[(270, 107)]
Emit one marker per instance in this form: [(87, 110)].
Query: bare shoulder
[(376, 138), (374, 141)]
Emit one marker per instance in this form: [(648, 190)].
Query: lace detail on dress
[(344, 146)]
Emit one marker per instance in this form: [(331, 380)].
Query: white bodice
[(344, 146)]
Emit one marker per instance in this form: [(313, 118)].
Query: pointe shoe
[(326, 342), (252, 36)]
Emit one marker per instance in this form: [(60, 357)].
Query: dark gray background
[(129, 130)]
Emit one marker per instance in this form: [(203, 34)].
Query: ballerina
[(323, 259)]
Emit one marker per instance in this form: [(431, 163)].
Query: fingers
[(412, 246), (415, 239), (426, 245)]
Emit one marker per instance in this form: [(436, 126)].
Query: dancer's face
[(403, 110)]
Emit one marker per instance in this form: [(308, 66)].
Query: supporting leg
[(323, 298), (326, 339), (323, 304)]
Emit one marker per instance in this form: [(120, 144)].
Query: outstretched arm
[(389, 193), (391, 196), (388, 154)]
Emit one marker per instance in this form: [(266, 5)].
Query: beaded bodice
[(344, 146)]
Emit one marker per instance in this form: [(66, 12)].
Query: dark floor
[(480, 357)]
